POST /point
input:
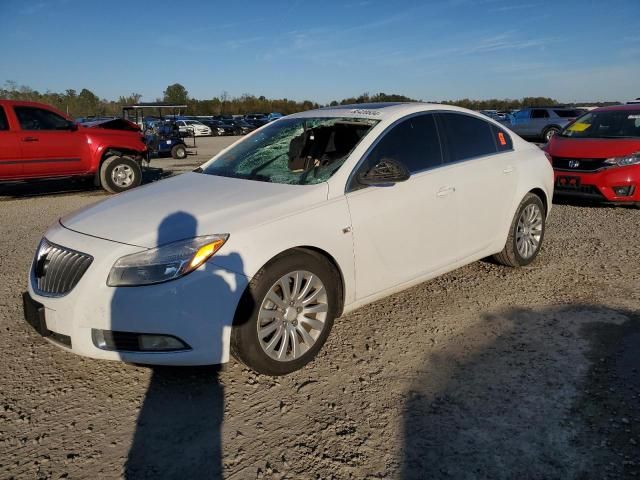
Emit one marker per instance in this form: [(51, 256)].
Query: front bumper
[(600, 185), (198, 308)]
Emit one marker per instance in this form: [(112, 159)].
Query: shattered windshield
[(299, 151)]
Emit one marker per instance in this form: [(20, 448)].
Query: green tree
[(175, 94)]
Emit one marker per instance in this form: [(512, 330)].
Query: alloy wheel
[(292, 315), (529, 231)]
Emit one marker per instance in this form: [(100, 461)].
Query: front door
[(49, 145), (406, 230)]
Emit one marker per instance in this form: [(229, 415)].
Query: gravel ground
[(486, 372)]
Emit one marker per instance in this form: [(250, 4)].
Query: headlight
[(164, 263), (631, 159)]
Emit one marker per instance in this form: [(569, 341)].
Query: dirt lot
[(486, 372)]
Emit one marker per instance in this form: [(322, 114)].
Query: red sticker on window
[(503, 141)]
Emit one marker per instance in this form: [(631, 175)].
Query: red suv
[(38, 141), (598, 156)]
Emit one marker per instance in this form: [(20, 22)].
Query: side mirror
[(73, 126), (386, 172)]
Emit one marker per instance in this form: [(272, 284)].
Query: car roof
[(378, 111)]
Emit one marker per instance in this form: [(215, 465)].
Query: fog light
[(625, 191), (136, 342)]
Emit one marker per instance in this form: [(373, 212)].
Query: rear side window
[(502, 139), (466, 136), (413, 142), (31, 118), (539, 113), (4, 125)]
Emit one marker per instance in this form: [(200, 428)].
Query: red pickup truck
[(38, 141)]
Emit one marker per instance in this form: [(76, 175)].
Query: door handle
[(507, 170), (444, 191), (30, 139)]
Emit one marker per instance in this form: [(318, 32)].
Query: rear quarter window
[(502, 139)]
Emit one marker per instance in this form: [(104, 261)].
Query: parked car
[(256, 119), (194, 127), (273, 116), (261, 248), (598, 156), (219, 128), (240, 127), (541, 123), (38, 141)]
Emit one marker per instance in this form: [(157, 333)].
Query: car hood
[(190, 205), (591, 147)]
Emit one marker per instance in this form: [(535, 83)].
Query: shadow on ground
[(66, 186), (530, 394)]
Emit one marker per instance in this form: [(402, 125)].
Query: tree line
[(86, 103)]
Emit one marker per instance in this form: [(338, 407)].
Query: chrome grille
[(56, 270)]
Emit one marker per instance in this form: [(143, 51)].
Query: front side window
[(521, 115), (4, 124), (414, 142), (605, 124), (298, 151), (32, 118), (466, 136)]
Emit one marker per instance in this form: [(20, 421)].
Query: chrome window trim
[(350, 179)]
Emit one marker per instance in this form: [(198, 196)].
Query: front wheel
[(286, 313), (120, 173), (525, 234)]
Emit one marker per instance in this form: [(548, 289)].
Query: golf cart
[(161, 133)]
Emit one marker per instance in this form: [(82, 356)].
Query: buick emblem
[(41, 266), (574, 163)]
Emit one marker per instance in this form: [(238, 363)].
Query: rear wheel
[(120, 173), (550, 132), (526, 233), (179, 152), (287, 313)]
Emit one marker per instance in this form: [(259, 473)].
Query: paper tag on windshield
[(633, 117)]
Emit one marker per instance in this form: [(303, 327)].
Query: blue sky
[(322, 50)]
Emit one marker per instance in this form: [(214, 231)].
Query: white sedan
[(193, 127), (256, 252)]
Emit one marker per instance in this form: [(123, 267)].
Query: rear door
[(539, 121), (10, 156), (479, 157), (49, 145), (406, 230)]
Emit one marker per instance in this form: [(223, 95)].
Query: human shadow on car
[(178, 430)]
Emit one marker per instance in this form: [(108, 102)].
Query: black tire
[(179, 152), (549, 132), (245, 344), (110, 164), (510, 256)]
